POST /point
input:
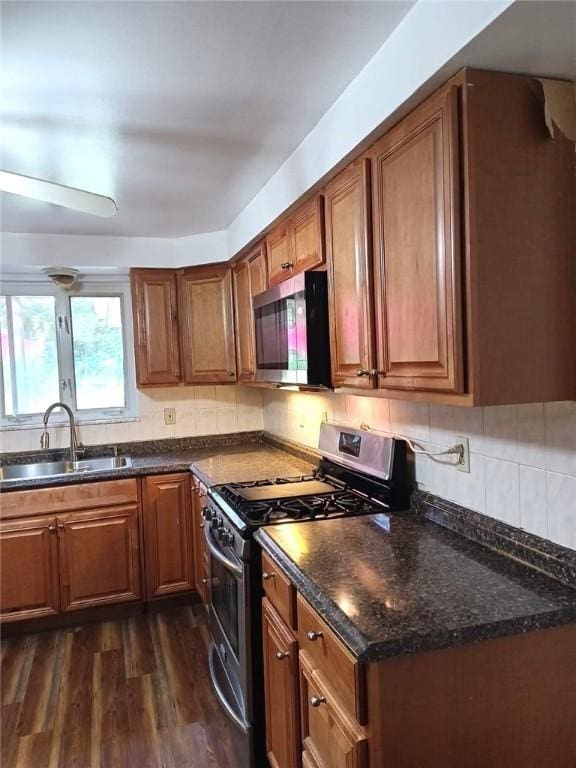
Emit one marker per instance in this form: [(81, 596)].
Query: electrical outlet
[(464, 463), (169, 415)]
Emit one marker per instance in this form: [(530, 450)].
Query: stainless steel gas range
[(360, 473)]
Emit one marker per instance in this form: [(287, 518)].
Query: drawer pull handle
[(313, 635), (287, 265), (267, 575), (281, 655), (363, 372), (315, 701)]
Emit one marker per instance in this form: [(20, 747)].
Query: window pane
[(98, 351), (29, 356)]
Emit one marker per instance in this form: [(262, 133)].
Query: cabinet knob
[(266, 575), (281, 655), (231, 373), (315, 701), (287, 265), (313, 636), (204, 581), (363, 372), (202, 525), (51, 528), (61, 526)]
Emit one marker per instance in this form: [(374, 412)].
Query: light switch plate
[(169, 415)]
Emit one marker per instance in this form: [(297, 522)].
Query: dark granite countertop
[(219, 463), (399, 584)]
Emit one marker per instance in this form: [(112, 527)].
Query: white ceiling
[(181, 111)]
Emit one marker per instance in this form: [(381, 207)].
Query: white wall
[(204, 410), (523, 457), (27, 250)]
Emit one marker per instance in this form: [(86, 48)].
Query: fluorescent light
[(57, 194)]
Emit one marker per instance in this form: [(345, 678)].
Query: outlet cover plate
[(464, 463), (169, 415)]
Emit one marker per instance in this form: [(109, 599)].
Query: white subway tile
[(16, 441), (117, 432), (447, 422), (503, 490), (225, 394), (533, 505), (250, 418), (206, 421), (185, 423), (531, 448), (250, 396), (560, 421), (95, 434), (410, 419), (359, 410), (501, 432), (226, 421), (381, 414), (562, 509), (204, 397)]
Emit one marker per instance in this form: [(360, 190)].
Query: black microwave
[(291, 329)]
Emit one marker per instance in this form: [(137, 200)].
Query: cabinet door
[(207, 325), (168, 534), (245, 350), (28, 569), (280, 252), (331, 736), (417, 249), (281, 690), (308, 223), (156, 337), (258, 269), (99, 557), (200, 499), (350, 285)]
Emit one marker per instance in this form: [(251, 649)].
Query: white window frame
[(91, 285)]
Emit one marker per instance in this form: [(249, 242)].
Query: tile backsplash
[(522, 462), (199, 411)]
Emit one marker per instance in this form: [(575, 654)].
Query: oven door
[(228, 610)]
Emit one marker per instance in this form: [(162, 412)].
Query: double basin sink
[(54, 468)]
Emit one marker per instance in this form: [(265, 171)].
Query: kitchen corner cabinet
[(168, 534), (297, 242), (201, 563), (350, 286), (280, 649), (250, 278), (156, 333), (207, 325)]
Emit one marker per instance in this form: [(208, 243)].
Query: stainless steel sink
[(52, 468)]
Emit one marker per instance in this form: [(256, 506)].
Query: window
[(73, 347)]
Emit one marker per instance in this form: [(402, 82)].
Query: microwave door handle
[(229, 564)]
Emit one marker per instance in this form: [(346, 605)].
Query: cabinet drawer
[(329, 655), (66, 498), (331, 737), (279, 590)]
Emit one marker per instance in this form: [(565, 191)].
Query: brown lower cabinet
[(199, 501), (280, 649), (79, 546), (168, 534), (506, 702)]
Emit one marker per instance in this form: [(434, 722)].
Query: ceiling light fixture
[(57, 194)]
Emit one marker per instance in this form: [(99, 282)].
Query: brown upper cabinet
[(156, 336), (183, 315), (207, 325), (417, 249), (473, 233), (297, 243), (250, 278), (348, 252)]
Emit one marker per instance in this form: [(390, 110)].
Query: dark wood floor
[(130, 693)]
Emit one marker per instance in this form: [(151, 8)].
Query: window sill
[(55, 423)]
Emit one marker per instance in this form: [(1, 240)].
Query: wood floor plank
[(78, 709), (9, 715), (138, 647), (75, 748), (16, 665), (145, 743), (62, 699), (33, 750), (109, 636), (39, 703)]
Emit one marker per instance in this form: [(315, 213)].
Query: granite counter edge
[(367, 652)]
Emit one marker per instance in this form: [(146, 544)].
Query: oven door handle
[(220, 693), (230, 565)]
